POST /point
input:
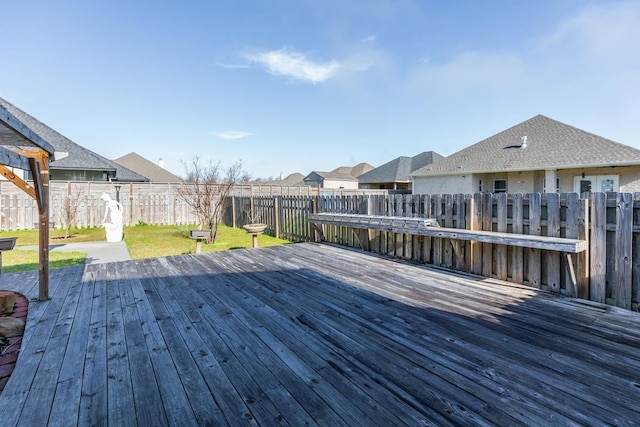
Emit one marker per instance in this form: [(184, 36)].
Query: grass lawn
[(143, 241), (162, 240)]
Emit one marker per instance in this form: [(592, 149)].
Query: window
[(480, 185), (500, 186)]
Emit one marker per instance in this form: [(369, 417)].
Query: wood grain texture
[(314, 334)]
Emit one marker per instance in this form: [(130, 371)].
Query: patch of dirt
[(10, 347)]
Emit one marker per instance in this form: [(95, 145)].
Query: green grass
[(19, 260), (143, 241), (155, 241), (30, 237)]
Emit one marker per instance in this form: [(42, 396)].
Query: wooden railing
[(611, 224)]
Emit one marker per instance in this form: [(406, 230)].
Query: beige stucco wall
[(525, 181), (629, 177), (443, 185), (347, 185)]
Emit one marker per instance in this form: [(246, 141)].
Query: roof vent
[(523, 142)]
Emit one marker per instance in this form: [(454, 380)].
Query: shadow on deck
[(311, 334)]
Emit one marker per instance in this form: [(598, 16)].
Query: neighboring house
[(538, 155), (73, 162), (396, 174), (293, 180), (344, 177), (146, 168)]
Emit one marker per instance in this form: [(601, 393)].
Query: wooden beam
[(10, 158), (20, 183), (34, 165)]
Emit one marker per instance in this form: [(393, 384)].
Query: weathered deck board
[(318, 335)]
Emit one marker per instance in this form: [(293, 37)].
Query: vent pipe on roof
[(523, 142), (161, 162)]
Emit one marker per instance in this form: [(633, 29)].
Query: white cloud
[(233, 134), (468, 71), (369, 39), (286, 62), (609, 30)]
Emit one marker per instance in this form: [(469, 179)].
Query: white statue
[(113, 212)]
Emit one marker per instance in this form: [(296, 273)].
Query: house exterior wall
[(444, 185), (386, 186), (629, 177), (525, 181), (347, 185)]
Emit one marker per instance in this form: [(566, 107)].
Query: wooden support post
[(553, 230), (582, 258), (622, 287), (39, 165), (233, 211), (276, 216), (317, 231), (517, 220), (475, 247), (598, 248)]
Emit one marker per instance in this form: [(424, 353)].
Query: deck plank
[(318, 335)]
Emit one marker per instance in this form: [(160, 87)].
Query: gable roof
[(14, 132), (68, 154), (354, 171), (550, 145), (336, 176), (295, 179), (146, 168), (399, 169)]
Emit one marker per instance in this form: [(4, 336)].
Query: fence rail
[(608, 272), (610, 222)]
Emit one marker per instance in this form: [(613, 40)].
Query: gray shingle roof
[(550, 145), (338, 176), (354, 171), (146, 168), (79, 158), (295, 179), (399, 169)]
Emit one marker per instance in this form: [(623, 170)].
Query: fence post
[(517, 226), (598, 248), (276, 216), (475, 247), (583, 258), (233, 211), (314, 209), (624, 232)]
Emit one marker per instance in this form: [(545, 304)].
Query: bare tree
[(70, 210), (206, 190)]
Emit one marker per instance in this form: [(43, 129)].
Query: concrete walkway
[(97, 252)]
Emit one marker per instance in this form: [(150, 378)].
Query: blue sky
[(300, 85)]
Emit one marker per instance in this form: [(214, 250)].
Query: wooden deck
[(311, 334)]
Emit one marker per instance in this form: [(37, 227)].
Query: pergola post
[(40, 172), (22, 148)]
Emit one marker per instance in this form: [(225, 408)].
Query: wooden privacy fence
[(609, 271)]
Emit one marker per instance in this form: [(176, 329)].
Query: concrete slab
[(97, 252)]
